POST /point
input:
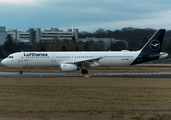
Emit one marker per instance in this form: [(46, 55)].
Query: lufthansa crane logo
[(154, 45)]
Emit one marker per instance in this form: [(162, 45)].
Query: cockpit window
[(10, 57)]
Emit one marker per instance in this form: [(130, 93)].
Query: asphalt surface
[(91, 74)]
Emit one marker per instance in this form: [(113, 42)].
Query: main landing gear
[(20, 72), (84, 71)]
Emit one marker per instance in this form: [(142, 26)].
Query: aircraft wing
[(86, 62)]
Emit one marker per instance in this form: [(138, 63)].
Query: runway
[(91, 74)]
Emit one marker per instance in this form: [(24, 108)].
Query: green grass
[(85, 98)]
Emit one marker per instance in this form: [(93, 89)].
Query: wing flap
[(88, 60), (85, 62)]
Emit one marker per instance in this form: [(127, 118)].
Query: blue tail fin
[(155, 42), (151, 50)]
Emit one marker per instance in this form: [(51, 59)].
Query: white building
[(3, 35), (60, 34), (37, 35), (19, 36), (34, 36)]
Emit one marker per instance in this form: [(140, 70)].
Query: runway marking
[(85, 75), (102, 74)]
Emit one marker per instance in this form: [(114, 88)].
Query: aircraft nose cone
[(3, 62)]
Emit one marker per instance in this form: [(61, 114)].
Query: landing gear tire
[(21, 72), (84, 71)]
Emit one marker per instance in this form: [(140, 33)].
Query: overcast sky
[(86, 15)]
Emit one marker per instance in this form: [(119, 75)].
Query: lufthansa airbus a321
[(72, 61)]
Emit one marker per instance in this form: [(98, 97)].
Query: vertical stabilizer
[(151, 50), (155, 42)]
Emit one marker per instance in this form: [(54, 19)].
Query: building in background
[(3, 35), (34, 36), (59, 34)]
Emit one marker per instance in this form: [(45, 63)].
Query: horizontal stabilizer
[(161, 55)]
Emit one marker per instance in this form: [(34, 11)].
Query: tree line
[(135, 37)]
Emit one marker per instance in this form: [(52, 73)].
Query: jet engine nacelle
[(68, 67)]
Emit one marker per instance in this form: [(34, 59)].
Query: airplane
[(72, 61)]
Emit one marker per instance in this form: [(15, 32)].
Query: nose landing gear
[(20, 72)]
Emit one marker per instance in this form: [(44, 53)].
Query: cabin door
[(20, 57), (53, 57)]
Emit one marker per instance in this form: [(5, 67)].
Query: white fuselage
[(55, 59), (72, 61)]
